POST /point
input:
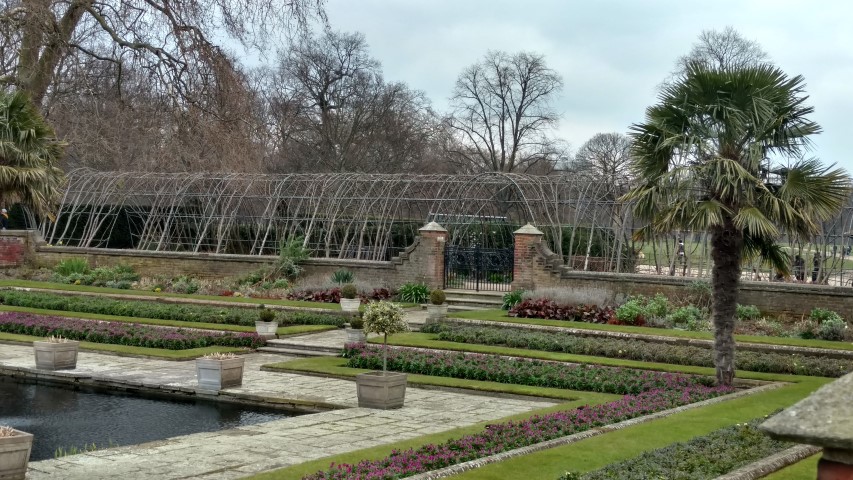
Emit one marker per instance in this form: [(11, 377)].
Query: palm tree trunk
[(726, 244)]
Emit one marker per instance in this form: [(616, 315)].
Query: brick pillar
[(527, 239), (829, 470), (824, 419), (433, 239), (14, 246)]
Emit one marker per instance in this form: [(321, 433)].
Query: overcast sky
[(611, 54)]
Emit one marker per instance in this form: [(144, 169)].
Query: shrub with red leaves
[(548, 309)]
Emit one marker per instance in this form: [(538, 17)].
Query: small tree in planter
[(355, 330), (437, 309), (216, 371), (56, 353), (349, 298), (15, 448), (266, 323), (383, 389)]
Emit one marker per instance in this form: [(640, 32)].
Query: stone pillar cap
[(432, 227), (824, 418), (528, 229)]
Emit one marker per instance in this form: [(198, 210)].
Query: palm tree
[(29, 152), (698, 160)]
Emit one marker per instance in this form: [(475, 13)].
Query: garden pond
[(69, 420)]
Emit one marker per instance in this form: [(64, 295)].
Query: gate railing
[(476, 268)]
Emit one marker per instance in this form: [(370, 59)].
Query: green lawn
[(804, 470), (500, 316), (125, 350), (288, 330)]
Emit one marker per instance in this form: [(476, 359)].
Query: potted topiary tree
[(355, 329), (383, 389), (437, 309), (216, 371), (15, 448), (56, 353), (266, 324), (349, 298)]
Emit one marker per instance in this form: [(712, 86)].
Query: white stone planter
[(216, 374), (436, 312), (355, 335), (266, 329), (350, 304), (56, 356), (381, 390), (14, 455)]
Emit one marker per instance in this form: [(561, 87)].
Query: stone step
[(290, 345), (298, 352), (473, 302), (474, 294)]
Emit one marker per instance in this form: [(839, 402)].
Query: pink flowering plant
[(121, 333), (505, 436), (384, 318), (496, 368)]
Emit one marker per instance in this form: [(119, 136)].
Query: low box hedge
[(639, 350), (702, 458)]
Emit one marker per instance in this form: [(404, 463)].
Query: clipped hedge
[(702, 458), (163, 311), (537, 373), (640, 350)]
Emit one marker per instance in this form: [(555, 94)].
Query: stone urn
[(56, 354), (355, 335), (15, 448), (436, 313), (382, 390), (266, 329), (216, 373), (350, 304)]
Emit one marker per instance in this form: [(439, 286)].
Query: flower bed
[(705, 457), (640, 350), (163, 311), (501, 437), (333, 295), (549, 309), (519, 371), (121, 333)]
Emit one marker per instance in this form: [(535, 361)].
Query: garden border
[(472, 464), (709, 344)]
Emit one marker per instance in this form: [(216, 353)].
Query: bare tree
[(333, 112), (725, 50), (605, 156), (42, 39), (502, 115)]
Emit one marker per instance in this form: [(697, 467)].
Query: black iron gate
[(476, 268)]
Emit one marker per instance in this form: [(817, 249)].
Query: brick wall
[(421, 261), (544, 269)]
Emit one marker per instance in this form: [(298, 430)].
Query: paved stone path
[(246, 450)]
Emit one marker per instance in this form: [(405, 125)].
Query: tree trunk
[(385, 355), (726, 245)]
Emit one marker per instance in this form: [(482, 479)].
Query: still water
[(65, 418)]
